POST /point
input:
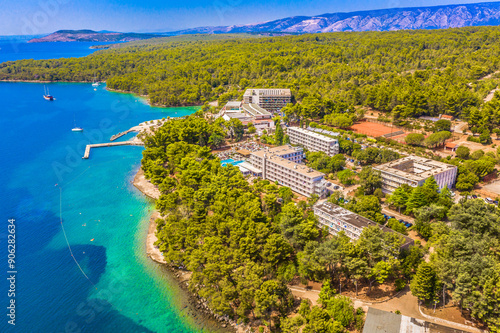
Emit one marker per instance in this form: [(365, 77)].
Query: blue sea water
[(44, 180), (16, 49)]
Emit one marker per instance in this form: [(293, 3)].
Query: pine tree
[(278, 134), (425, 284), (431, 184), (418, 198), (432, 189), (399, 198)]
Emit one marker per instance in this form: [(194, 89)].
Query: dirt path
[(490, 95), (405, 302)]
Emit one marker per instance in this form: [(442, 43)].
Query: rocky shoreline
[(198, 307)]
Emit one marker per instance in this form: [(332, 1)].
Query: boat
[(95, 83), (47, 94), (76, 128)]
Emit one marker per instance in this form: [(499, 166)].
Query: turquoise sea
[(43, 179)]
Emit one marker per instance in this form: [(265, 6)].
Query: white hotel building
[(414, 171), (313, 141), (282, 164), (272, 100), (338, 219)]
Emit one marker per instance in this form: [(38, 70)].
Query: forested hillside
[(416, 72)]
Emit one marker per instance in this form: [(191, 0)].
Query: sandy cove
[(151, 191), (211, 321)]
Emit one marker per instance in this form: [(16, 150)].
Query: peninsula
[(91, 36)]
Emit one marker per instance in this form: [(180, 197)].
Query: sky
[(31, 17)]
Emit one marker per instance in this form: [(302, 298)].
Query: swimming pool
[(230, 161)]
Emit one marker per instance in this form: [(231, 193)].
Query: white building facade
[(313, 141), (338, 219), (282, 164), (272, 100), (414, 171)]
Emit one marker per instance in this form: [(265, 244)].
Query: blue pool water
[(230, 161)]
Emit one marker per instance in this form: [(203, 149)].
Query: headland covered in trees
[(244, 242)]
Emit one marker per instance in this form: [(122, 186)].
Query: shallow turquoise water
[(127, 292)]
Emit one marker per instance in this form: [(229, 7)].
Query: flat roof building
[(313, 141), (338, 219), (232, 105), (247, 113), (282, 164), (256, 111), (414, 171), (272, 100), (379, 321)]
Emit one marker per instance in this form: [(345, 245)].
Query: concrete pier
[(111, 144), (119, 135)]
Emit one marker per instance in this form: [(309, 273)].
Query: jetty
[(111, 144), (147, 127), (119, 135)]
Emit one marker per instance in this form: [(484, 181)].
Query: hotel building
[(338, 219), (282, 164), (272, 100), (414, 171), (313, 141), (248, 113)]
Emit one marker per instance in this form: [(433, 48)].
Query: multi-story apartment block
[(282, 164), (414, 171), (338, 219), (272, 100), (313, 141)]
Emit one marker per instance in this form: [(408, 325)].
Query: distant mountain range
[(91, 36), (437, 17)]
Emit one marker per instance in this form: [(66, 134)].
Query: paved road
[(388, 211)]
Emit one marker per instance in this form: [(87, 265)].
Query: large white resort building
[(247, 113), (313, 141), (283, 164), (414, 171), (272, 100), (338, 219)]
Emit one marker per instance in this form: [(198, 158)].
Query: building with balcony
[(283, 165), (272, 100), (414, 171), (313, 141), (338, 219)]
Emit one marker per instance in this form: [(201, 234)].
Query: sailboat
[(95, 83), (76, 128), (47, 94)]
